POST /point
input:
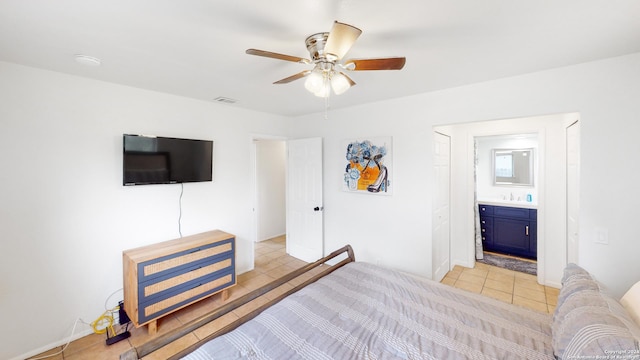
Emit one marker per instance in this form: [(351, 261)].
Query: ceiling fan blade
[(273, 55), (340, 40), (351, 82), (396, 63), (291, 78)]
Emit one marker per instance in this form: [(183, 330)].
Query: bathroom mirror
[(513, 167)]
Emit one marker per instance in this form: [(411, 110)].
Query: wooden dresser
[(164, 277)]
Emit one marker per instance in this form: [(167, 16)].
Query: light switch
[(602, 236)]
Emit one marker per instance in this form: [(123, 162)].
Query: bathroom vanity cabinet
[(509, 230)]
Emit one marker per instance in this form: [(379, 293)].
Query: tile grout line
[(546, 304)]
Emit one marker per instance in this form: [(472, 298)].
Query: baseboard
[(271, 237), (553, 284), (53, 345), (244, 270), (461, 263)]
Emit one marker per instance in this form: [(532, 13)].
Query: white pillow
[(631, 302)]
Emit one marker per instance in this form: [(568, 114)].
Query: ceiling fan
[(327, 50)]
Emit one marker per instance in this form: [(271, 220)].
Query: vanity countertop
[(509, 203)]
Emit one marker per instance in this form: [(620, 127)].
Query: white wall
[(396, 230), (66, 218), (64, 214), (270, 188)]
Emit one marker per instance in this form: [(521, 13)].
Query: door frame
[(541, 186), (254, 189), (434, 265), (540, 179), (573, 193)]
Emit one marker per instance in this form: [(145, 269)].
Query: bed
[(356, 310)]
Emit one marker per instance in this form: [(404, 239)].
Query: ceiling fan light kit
[(315, 82), (340, 83), (326, 51), (320, 83)]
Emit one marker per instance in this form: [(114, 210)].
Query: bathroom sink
[(510, 203)]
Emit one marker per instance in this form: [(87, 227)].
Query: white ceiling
[(196, 48)]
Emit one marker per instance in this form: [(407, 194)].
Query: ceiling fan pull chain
[(326, 108)]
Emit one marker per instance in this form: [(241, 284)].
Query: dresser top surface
[(176, 245)]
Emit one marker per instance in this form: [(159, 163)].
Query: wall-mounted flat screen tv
[(163, 160)]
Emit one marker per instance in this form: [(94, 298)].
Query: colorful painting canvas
[(368, 166)]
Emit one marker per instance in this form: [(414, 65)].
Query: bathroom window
[(504, 165), (513, 167)]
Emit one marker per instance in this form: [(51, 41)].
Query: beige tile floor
[(271, 262), (506, 285)]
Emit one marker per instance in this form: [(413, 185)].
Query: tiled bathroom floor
[(505, 285)]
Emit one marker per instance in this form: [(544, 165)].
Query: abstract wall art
[(368, 166)]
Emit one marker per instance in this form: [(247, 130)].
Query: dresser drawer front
[(184, 295), (182, 261), (157, 287)]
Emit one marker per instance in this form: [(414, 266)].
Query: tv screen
[(162, 160)]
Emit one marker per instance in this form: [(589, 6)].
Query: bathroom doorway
[(506, 192), (550, 196)]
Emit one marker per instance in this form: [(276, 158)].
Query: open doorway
[(269, 188), (506, 192), (552, 190), (287, 195)]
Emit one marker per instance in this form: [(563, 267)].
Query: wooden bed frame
[(147, 348)]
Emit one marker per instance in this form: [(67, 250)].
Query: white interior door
[(441, 196), (304, 199), (573, 191)]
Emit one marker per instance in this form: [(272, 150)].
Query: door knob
[(316, 208)]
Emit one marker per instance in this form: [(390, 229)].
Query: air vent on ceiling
[(225, 100)]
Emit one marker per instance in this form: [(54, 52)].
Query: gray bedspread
[(362, 311)]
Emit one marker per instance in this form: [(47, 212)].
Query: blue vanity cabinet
[(509, 230), (486, 225)]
